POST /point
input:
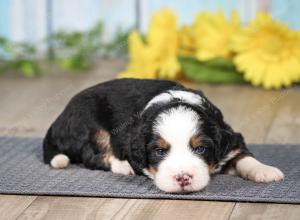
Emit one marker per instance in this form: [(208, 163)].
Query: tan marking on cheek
[(162, 143), (103, 143), (196, 141), (152, 170), (211, 168)]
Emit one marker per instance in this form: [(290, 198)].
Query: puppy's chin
[(165, 178)]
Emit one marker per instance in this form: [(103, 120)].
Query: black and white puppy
[(157, 128)]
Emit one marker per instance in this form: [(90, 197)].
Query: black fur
[(117, 107)]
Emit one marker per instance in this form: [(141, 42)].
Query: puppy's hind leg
[(105, 160), (93, 160)]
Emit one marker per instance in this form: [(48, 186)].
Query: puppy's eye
[(161, 152), (199, 150)]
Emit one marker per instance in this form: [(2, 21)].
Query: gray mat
[(23, 172)]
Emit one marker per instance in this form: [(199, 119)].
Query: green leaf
[(217, 71), (27, 69), (118, 46), (5, 46), (76, 50)]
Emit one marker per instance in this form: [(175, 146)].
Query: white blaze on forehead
[(185, 96), (177, 126)]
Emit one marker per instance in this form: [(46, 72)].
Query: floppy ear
[(207, 106), (137, 153), (227, 139), (237, 142), (232, 142)]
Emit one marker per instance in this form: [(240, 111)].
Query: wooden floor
[(28, 106)]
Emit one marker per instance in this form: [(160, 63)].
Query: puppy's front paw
[(264, 174), (250, 168)]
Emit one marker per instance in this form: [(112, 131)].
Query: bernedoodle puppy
[(172, 134)]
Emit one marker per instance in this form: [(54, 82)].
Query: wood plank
[(11, 206), (176, 209), (32, 104), (253, 211), (100, 208), (73, 208), (286, 126)]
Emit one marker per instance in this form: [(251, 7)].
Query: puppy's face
[(184, 149), (177, 151)]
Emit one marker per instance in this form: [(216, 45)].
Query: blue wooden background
[(26, 20)]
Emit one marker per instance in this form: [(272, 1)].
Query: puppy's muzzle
[(184, 179)]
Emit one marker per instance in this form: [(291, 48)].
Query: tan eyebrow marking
[(162, 143), (195, 141)]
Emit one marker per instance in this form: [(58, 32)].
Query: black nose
[(184, 179)]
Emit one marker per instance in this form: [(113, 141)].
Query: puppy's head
[(182, 145)]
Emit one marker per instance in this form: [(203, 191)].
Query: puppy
[(172, 134)]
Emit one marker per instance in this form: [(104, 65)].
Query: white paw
[(60, 161), (250, 168), (120, 166), (264, 174)]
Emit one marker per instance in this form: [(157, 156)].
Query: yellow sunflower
[(268, 52), (214, 33), (158, 57), (143, 62), (163, 39), (187, 41)]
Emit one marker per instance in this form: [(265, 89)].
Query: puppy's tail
[(52, 155), (60, 161)]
